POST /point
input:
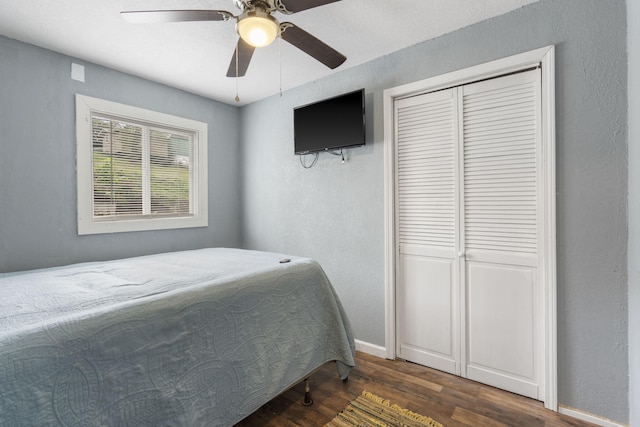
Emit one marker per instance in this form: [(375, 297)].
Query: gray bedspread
[(193, 338)]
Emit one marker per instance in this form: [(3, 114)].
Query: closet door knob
[(461, 254)]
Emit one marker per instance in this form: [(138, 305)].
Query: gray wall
[(633, 27), (334, 212), (37, 161)]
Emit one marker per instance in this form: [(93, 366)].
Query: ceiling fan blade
[(245, 52), (293, 6), (161, 16), (311, 45)]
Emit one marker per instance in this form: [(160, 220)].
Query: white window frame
[(87, 224)]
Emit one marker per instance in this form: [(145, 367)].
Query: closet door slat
[(500, 164), (426, 138)]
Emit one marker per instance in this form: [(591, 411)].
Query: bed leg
[(307, 394)]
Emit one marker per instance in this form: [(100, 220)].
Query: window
[(138, 169)]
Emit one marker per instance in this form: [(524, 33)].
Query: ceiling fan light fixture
[(257, 28)]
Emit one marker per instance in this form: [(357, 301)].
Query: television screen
[(330, 124)]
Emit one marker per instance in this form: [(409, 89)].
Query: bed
[(191, 338)]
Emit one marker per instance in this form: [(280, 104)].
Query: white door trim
[(544, 57)]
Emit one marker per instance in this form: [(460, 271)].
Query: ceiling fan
[(256, 26)]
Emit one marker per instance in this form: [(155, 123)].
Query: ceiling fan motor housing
[(267, 6)]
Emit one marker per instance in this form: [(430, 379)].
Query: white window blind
[(138, 169)]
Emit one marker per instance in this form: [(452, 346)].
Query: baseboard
[(585, 416), (372, 349)]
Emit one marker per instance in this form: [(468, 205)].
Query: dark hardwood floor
[(451, 400)]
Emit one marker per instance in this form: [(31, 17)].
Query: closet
[(469, 231)]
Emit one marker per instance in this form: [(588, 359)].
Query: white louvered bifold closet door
[(501, 140), (467, 180), (426, 211)]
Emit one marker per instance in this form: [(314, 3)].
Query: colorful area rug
[(369, 410)]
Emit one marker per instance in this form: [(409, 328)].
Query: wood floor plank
[(409, 378), (448, 399), (470, 418)]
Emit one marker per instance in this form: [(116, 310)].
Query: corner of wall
[(633, 244)]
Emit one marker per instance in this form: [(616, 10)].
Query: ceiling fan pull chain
[(237, 97), (280, 60)]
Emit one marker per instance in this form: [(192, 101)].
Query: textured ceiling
[(194, 56)]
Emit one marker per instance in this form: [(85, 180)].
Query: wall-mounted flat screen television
[(330, 124)]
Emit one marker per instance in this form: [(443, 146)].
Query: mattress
[(191, 338)]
